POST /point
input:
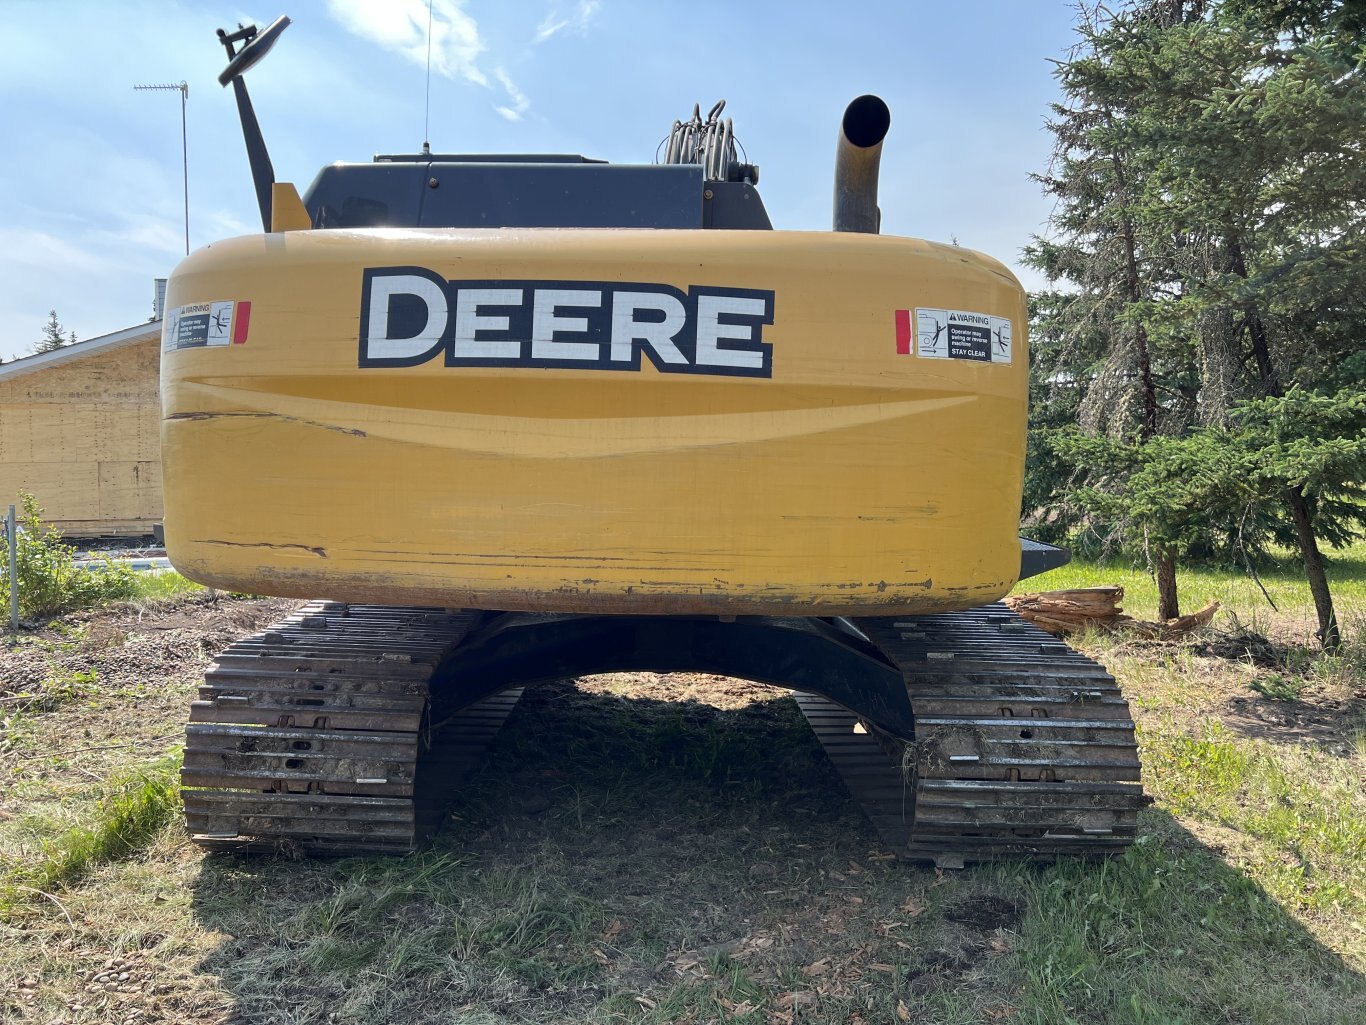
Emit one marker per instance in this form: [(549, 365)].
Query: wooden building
[(80, 430)]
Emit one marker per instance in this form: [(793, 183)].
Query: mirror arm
[(262, 171), (254, 47)]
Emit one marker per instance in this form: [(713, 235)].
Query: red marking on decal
[(240, 323), (903, 332)]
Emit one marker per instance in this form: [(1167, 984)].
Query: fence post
[(12, 536)]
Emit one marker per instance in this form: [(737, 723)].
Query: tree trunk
[(1164, 559), (1328, 633), (1256, 328), (1145, 363), (1164, 570)]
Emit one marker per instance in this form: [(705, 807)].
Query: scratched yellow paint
[(854, 480)]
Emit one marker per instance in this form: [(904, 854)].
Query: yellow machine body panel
[(580, 420)]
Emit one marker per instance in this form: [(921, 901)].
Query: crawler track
[(1023, 746), (338, 730), (313, 734)]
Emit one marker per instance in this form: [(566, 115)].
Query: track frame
[(965, 736)]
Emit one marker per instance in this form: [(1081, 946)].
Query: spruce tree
[(53, 336), (1124, 378), (1234, 132)]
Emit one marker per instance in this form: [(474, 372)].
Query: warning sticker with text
[(959, 334), (205, 324)]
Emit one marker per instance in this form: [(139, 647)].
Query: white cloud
[(29, 247), (575, 21), (400, 26), (164, 238), (226, 224), (518, 100)]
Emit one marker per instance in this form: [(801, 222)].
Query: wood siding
[(84, 438)]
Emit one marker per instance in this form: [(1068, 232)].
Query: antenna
[(427, 113), (184, 91)]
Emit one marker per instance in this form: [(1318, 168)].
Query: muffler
[(865, 125)]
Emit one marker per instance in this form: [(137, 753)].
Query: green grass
[(1197, 585), (141, 588), (1247, 883), (1280, 688), (1306, 814), (53, 692), (156, 586), (133, 808), (1169, 933)]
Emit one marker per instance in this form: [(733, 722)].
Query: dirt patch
[(1244, 646), (718, 691), (128, 643), (97, 690), (986, 912), (1255, 684), (1315, 718)]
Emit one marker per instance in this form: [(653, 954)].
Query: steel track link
[(314, 734), (1023, 746)]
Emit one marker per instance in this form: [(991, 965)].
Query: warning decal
[(204, 324), (958, 334)]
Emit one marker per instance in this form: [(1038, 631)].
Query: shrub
[(50, 582)]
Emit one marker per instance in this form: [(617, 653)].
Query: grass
[(53, 692), (131, 810), (1281, 688), (144, 589), (164, 585), (630, 854), (1308, 817), (1283, 579), (1169, 933)]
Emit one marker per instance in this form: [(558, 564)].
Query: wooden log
[(1098, 608)]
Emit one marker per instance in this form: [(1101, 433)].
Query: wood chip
[(817, 968)]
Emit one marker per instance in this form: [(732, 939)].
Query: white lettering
[(711, 332), (657, 334), (410, 315), (545, 323), (378, 344), (469, 322)]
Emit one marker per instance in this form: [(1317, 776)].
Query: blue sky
[(91, 203)]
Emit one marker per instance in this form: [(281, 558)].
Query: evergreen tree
[(1124, 378), (1235, 132), (1262, 133), (53, 337)]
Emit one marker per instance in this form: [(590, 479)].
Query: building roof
[(79, 350)]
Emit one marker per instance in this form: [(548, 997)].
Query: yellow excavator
[(512, 418)]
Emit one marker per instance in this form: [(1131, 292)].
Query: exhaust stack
[(862, 130)]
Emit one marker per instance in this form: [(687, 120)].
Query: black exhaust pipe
[(865, 125)]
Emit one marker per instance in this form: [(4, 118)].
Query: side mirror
[(257, 46)]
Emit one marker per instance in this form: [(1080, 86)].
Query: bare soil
[(63, 726)]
